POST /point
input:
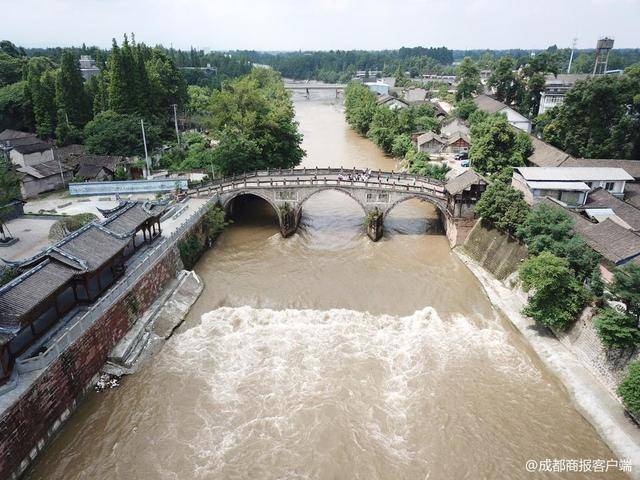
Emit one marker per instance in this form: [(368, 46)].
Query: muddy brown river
[(327, 356)]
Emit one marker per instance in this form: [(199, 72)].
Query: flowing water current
[(327, 356)]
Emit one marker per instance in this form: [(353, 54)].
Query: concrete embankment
[(487, 251), (157, 324)]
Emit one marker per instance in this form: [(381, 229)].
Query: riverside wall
[(577, 357), (45, 398)]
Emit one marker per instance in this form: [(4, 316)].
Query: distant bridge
[(377, 193), (315, 86), (307, 88)]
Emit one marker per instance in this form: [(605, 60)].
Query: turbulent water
[(327, 356)]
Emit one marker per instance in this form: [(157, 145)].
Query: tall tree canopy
[(600, 118), (496, 145), (254, 121), (468, 79)]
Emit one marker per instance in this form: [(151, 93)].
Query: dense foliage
[(193, 246), (111, 133), (469, 84), (9, 182), (341, 65), (550, 229), (600, 118), (629, 389), (503, 206), (253, 120), (51, 98), (495, 145), (557, 295)]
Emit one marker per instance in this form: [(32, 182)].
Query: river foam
[(292, 392)]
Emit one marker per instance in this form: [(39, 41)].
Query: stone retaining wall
[(36, 416)]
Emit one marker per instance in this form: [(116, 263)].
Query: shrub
[(558, 297), (617, 329), (190, 250), (629, 389), (503, 206), (67, 225), (401, 145)]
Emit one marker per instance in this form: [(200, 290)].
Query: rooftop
[(488, 104), (632, 167), (571, 186), (8, 135), (44, 169), (29, 290), (570, 174), (126, 220), (599, 199), (464, 181)]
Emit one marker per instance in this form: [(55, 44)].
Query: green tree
[(468, 79), (617, 329), (111, 133), (9, 182), (600, 118), (629, 389), (557, 296), (401, 145), (547, 228), (626, 288), (503, 206), (360, 106), (505, 81), (384, 128), (10, 69), (42, 89), (596, 284), (464, 108), (70, 93), (15, 107), (422, 166), (496, 145), (257, 111)]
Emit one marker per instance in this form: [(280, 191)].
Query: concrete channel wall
[(51, 385)]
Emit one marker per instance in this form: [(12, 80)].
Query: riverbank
[(590, 397)]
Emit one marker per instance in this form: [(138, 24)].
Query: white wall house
[(570, 185)]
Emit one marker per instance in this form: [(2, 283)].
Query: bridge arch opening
[(414, 216), (331, 219), (252, 209)]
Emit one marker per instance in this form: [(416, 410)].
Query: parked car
[(464, 163), (461, 156)]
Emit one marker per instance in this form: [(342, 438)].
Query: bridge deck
[(329, 177)]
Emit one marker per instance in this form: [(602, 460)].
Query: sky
[(322, 24)]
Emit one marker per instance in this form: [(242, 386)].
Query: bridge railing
[(293, 176)]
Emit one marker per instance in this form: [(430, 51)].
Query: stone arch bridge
[(377, 194)]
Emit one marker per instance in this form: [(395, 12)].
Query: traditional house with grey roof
[(74, 271), (30, 151), (463, 193), (43, 177), (430, 142)]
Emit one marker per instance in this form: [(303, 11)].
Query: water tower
[(603, 48)]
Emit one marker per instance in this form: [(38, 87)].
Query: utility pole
[(146, 154), (573, 47), (59, 166), (175, 121)]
